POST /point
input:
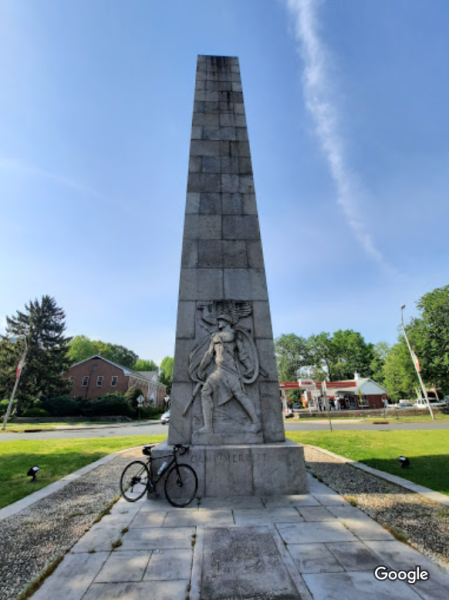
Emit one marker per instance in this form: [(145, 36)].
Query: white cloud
[(30, 170), (321, 103)]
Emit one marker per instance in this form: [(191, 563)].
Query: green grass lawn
[(428, 452), (20, 427), (425, 418), (56, 458)]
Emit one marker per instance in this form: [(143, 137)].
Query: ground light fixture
[(33, 472), (404, 462)]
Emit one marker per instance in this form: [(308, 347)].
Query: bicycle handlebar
[(181, 449)]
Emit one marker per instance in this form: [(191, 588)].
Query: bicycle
[(180, 485)]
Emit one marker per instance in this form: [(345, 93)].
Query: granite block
[(234, 255), (239, 149), (227, 120), (183, 347), (236, 87), (193, 203), (210, 164), (265, 348), (249, 204), (211, 107), (244, 284), (204, 182), (230, 183), (262, 320), (240, 120), (255, 256), (197, 132), (211, 133), (228, 133), (205, 148), (195, 164), (241, 134), (245, 166), (210, 254), (201, 284), (244, 227), (229, 164), (180, 429), (246, 184), (185, 327), (271, 412), (232, 204), (206, 119), (189, 258), (210, 204)]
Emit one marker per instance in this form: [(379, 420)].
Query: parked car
[(405, 404), (434, 403), (165, 419)]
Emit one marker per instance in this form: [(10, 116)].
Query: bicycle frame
[(155, 478)]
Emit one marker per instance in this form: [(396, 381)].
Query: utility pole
[(416, 363), (16, 384)]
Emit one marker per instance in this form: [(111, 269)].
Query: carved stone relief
[(222, 364)]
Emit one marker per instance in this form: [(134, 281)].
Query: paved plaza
[(280, 547)]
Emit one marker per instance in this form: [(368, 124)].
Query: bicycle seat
[(148, 448)]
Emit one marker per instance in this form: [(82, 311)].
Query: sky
[(347, 109)]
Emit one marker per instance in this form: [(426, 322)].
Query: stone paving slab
[(157, 538), (257, 516), (124, 566), (169, 565), (72, 578), (281, 547), (204, 517), (354, 586), (309, 533), (156, 590)]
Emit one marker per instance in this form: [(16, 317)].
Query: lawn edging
[(15, 507), (405, 483)]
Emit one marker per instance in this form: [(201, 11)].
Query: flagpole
[(324, 392), (416, 366), (18, 374)]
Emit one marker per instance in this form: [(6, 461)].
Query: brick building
[(97, 376)]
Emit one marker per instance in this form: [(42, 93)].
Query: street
[(157, 429)]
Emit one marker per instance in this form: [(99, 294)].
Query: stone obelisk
[(225, 398)]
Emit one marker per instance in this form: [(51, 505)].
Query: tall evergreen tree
[(43, 325)]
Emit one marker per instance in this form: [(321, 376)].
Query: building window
[(100, 380), (114, 380), (72, 381), (95, 367), (85, 381)]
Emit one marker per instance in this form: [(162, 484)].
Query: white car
[(165, 419), (434, 403), (405, 404)]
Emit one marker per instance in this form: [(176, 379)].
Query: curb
[(405, 483), (16, 507), (91, 427)]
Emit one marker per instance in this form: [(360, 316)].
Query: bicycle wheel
[(181, 485), (134, 481)]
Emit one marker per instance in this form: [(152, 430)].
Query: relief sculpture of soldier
[(232, 354)]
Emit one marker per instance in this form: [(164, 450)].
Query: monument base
[(244, 469)]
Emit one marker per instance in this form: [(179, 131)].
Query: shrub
[(62, 406), (36, 412), (111, 405), (146, 412)]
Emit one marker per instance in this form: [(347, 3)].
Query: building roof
[(147, 375)]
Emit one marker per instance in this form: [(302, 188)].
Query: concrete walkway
[(288, 547)]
